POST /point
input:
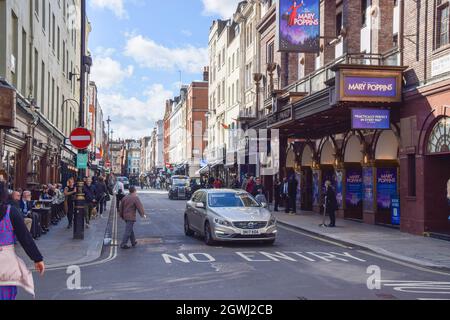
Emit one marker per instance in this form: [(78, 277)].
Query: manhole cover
[(149, 241)]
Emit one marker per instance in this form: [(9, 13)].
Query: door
[(306, 189), (191, 210), (198, 213)]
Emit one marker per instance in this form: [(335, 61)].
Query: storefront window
[(439, 141), (9, 168)]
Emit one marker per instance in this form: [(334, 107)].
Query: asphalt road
[(169, 265)]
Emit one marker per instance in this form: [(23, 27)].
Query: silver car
[(228, 215)]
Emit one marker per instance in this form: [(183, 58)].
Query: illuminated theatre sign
[(368, 85), (298, 26)]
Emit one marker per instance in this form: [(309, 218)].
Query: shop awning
[(203, 171), (217, 163)]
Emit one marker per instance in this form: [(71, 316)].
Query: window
[(442, 34), (339, 23), (364, 6), (270, 52), (439, 140)]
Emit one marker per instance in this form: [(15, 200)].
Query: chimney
[(206, 74)]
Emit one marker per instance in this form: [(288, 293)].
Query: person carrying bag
[(13, 271)]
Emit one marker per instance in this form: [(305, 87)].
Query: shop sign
[(368, 85), (395, 208), (7, 107), (386, 187), (298, 26), (371, 119), (280, 117), (354, 188)]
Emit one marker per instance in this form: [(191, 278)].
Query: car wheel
[(187, 229), (208, 235)]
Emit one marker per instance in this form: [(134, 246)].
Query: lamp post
[(80, 201)]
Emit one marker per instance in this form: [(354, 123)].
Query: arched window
[(439, 140)]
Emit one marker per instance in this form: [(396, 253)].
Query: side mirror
[(200, 205)]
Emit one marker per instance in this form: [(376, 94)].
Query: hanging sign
[(298, 26)]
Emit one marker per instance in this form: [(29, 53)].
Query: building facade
[(39, 60)]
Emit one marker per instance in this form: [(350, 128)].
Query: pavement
[(59, 249), (389, 242), (168, 265)]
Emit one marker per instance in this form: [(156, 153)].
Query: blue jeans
[(129, 233)]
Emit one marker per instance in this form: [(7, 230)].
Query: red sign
[(81, 138), (108, 164)]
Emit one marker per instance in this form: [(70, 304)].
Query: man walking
[(292, 186), (128, 207)]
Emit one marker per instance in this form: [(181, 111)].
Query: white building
[(159, 149), (177, 153)]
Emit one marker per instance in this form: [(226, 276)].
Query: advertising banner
[(386, 187), (316, 188), (371, 119), (339, 188), (368, 186), (354, 188), (298, 23)]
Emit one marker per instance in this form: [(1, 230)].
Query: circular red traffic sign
[(81, 138)]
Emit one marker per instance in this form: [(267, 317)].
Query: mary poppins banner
[(299, 25)]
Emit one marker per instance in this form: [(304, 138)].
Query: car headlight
[(272, 221), (222, 222)]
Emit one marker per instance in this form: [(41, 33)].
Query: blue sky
[(140, 47)]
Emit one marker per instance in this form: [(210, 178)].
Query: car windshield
[(180, 182), (231, 200)]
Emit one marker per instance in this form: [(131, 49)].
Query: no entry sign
[(81, 138)]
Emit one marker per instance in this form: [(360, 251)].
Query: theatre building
[(367, 113)]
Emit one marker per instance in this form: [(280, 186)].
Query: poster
[(354, 188), (368, 188), (386, 187), (339, 188), (371, 119), (316, 188), (298, 23)]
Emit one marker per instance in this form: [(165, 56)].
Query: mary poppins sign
[(298, 23), (368, 84)]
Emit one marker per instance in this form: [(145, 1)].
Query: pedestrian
[(13, 271), (250, 185), (101, 192), (293, 190), (217, 184), (69, 204), (119, 191), (128, 207), (32, 219), (90, 197), (330, 203), (14, 199), (258, 188), (277, 194), (245, 182), (285, 194)]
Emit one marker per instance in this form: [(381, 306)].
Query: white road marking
[(419, 287)]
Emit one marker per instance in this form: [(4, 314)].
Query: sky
[(141, 50)]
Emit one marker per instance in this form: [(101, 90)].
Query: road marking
[(405, 264), (113, 248), (419, 287)]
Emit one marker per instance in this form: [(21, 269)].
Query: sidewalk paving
[(422, 251), (60, 249)]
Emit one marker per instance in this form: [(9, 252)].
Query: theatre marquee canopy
[(372, 84)]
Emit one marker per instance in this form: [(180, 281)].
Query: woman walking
[(13, 271)]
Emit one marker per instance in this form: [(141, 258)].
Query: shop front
[(348, 134)]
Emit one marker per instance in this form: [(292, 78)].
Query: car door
[(197, 213), (190, 208)]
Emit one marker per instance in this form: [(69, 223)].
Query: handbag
[(107, 197), (13, 271)]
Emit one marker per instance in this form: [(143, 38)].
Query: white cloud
[(116, 6), (222, 8), (186, 33), (152, 55), (133, 117), (108, 73)]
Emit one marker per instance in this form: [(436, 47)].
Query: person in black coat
[(292, 194), (90, 196), (331, 203), (258, 188), (277, 194), (101, 190)]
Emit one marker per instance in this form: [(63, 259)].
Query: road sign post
[(80, 139)]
